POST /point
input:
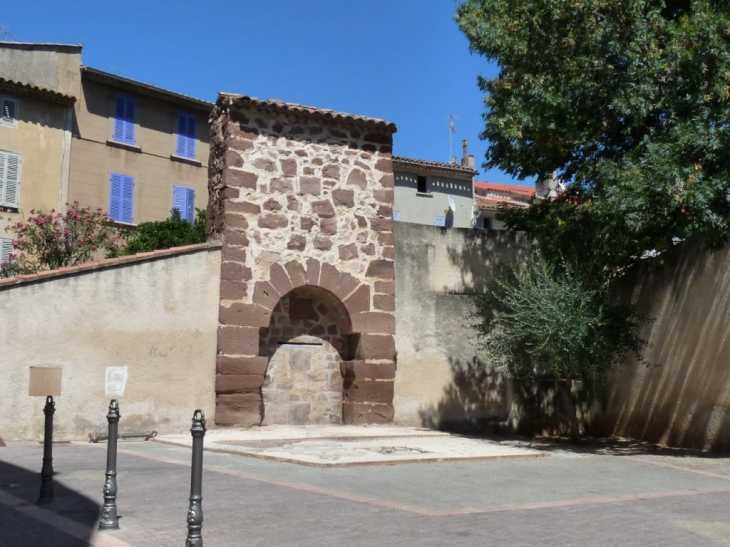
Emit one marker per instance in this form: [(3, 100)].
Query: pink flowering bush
[(48, 241)]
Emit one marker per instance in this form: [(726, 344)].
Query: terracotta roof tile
[(281, 106), (495, 203), (511, 188), (36, 91), (438, 164)]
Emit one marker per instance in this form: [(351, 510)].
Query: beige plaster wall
[(683, 399), (158, 318), (154, 171), (41, 137), (441, 379)]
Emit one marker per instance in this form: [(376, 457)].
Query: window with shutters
[(8, 111), (6, 249), (9, 179), (121, 197), (185, 137), (125, 110), (183, 199)]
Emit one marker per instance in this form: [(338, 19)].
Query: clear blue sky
[(402, 60)]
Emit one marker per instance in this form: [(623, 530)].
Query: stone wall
[(302, 198), (443, 381), (682, 398), (149, 319)]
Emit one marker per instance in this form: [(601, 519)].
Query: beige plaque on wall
[(44, 381)]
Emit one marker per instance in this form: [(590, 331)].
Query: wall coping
[(108, 263), (324, 115)]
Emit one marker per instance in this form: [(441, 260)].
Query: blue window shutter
[(129, 121), (115, 197), (181, 148), (179, 199), (183, 199), (119, 119), (190, 205), (127, 197), (190, 152)]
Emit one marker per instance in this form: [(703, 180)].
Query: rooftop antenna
[(6, 34), (452, 132)]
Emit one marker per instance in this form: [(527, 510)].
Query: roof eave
[(141, 88)]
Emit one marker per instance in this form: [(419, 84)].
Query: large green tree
[(628, 102)]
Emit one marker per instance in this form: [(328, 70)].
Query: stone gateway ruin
[(302, 200)]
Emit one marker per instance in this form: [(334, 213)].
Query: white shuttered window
[(9, 178), (8, 112), (6, 249)]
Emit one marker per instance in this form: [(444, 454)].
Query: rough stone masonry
[(302, 199)]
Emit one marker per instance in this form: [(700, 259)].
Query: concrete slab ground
[(606, 494), (331, 446)]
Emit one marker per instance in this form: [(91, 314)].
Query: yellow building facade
[(74, 133)]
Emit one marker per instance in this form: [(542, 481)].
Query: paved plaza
[(608, 494)]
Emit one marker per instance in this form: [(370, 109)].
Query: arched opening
[(308, 336)]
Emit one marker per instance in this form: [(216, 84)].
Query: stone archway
[(302, 199), (307, 339)]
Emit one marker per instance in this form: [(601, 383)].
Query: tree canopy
[(628, 102)]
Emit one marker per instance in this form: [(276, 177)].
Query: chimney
[(471, 161), (547, 186), (454, 160), (465, 157)]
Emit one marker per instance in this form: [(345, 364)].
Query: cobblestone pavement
[(590, 495)]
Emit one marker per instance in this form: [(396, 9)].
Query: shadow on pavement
[(19, 494), (610, 446)]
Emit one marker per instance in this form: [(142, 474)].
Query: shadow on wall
[(481, 400), (684, 399), (20, 488), (478, 252)]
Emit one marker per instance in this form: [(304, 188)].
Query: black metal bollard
[(46, 495), (109, 519), (195, 511)]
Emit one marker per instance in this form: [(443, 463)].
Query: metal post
[(109, 519), (47, 470), (195, 511)]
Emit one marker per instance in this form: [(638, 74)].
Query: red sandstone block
[(265, 295), (233, 290), (234, 254), (241, 409), (234, 178), (376, 346), (359, 301), (231, 237), (245, 315), (363, 370), (313, 271), (384, 302), (241, 365), (382, 269), (238, 383), (385, 165), (279, 279), (359, 414), (297, 274), (385, 287), (381, 224), (373, 322), (233, 271), (368, 391), (238, 340)]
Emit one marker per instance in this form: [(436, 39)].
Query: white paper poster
[(116, 381)]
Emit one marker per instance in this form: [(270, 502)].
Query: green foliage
[(48, 241), (627, 102), (535, 320), (164, 234)]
